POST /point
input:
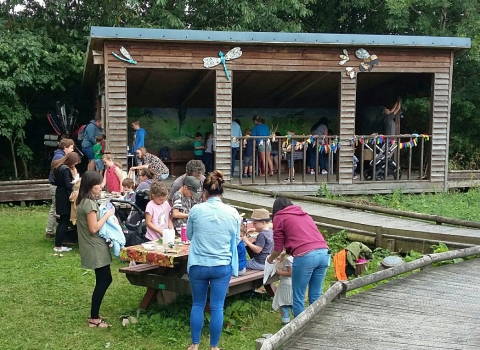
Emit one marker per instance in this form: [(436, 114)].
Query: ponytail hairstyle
[(213, 184)]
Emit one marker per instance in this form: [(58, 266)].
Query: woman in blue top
[(214, 231), (263, 145)]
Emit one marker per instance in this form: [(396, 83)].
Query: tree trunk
[(24, 162), (12, 147)]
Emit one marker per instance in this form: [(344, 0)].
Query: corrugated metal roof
[(280, 38)]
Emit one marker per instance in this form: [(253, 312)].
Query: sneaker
[(288, 179), (355, 177), (249, 175), (312, 172), (244, 175), (62, 249), (49, 235), (324, 172)]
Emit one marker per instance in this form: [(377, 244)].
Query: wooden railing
[(385, 155), (339, 290), (300, 154), (24, 190)]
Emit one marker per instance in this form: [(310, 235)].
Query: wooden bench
[(178, 160), (157, 279)]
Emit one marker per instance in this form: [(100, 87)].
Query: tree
[(31, 62)]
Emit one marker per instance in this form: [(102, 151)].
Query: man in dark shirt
[(389, 121)]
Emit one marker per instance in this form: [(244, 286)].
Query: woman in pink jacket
[(295, 231)]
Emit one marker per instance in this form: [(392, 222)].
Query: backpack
[(164, 153), (81, 132)]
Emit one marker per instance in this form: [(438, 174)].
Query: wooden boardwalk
[(361, 220), (436, 308)]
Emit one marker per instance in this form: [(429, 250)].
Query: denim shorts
[(99, 164), (88, 151), (247, 161), (261, 148)]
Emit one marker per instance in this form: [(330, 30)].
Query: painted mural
[(176, 128)]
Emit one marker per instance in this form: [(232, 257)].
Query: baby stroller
[(135, 227), (384, 163)]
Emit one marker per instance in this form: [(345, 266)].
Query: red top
[(113, 183), (295, 230)]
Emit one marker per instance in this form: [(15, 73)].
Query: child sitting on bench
[(263, 244)]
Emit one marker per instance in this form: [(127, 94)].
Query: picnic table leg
[(150, 294)]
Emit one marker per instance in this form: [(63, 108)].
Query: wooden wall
[(116, 105), (223, 116), (161, 55)]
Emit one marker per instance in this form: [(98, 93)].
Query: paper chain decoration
[(380, 139), (334, 145)]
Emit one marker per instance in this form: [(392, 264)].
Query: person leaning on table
[(295, 231), (214, 231)]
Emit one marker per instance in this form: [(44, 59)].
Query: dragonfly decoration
[(209, 62), (126, 56)]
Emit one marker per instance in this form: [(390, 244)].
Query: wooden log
[(455, 254), (279, 338), (401, 213)]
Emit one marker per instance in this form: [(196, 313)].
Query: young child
[(182, 201), (198, 147), (247, 154), (290, 145), (113, 176), (208, 154), (355, 165), (284, 296), (263, 244), (127, 185), (98, 154), (157, 214), (242, 252)]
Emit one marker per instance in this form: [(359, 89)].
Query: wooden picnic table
[(163, 271)]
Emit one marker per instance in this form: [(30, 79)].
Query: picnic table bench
[(171, 278)]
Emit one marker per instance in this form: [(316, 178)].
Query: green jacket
[(356, 250)]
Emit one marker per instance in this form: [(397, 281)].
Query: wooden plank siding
[(223, 118), (347, 100), (273, 57), (116, 107)]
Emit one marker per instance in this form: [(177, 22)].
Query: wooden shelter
[(275, 70)]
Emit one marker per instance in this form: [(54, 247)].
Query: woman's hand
[(110, 212)]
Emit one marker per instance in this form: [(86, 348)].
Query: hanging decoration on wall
[(344, 58), (368, 61), (209, 62), (350, 72), (127, 58), (366, 65)]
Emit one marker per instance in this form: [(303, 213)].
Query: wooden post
[(378, 236), (391, 244)]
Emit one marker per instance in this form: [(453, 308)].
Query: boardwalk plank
[(431, 309)]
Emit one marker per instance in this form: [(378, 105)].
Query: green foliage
[(454, 205), (442, 248)]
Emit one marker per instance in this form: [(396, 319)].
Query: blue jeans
[(310, 270), (311, 156), (200, 277), (323, 161), (234, 156)]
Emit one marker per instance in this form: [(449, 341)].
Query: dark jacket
[(63, 180), (59, 153)]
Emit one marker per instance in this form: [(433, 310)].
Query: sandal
[(99, 324)]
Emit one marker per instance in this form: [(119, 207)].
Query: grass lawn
[(45, 300)]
